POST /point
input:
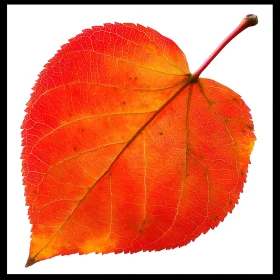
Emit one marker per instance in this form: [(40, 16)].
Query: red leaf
[(123, 150)]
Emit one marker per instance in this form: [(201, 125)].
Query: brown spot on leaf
[(141, 226), (250, 127), (75, 149)]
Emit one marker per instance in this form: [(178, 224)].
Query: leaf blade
[(85, 189)]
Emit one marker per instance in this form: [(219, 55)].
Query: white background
[(243, 242)]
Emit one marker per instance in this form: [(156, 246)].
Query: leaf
[(123, 152)]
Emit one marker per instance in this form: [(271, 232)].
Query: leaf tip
[(30, 262)]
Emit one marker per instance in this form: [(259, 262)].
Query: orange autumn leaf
[(124, 152)]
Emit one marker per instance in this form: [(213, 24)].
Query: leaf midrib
[(188, 81)]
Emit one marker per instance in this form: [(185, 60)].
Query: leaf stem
[(247, 21)]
